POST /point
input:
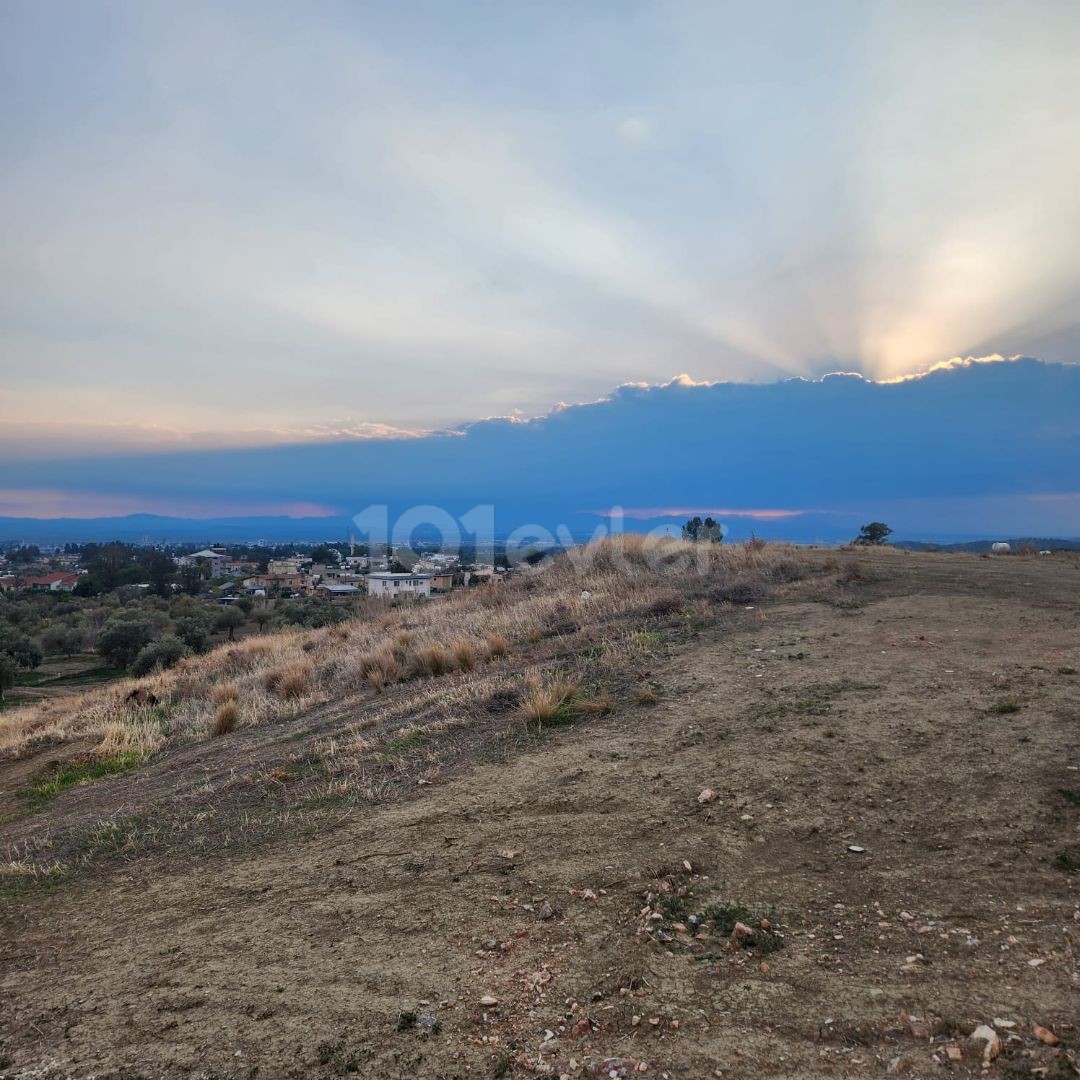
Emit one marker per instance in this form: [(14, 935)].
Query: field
[(809, 813)]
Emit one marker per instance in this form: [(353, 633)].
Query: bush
[(159, 655), (123, 639)]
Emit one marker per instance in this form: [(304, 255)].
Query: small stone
[(953, 1052), (708, 795), (488, 1000), (855, 849), (1044, 1035), (985, 1040), (546, 912)]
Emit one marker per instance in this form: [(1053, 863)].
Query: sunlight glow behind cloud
[(217, 211)]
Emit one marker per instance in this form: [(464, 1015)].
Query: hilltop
[(742, 811)]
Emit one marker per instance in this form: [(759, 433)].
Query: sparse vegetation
[(78, 772)]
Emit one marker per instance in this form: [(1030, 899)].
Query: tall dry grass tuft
[(497, 645), (380, 669), (432, 660), (289, 682), (546, 702), (225, 692), (226, 718), (464, 654)]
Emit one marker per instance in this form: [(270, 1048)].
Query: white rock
[(986, 1034)]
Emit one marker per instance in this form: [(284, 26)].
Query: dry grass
[(630, 581), (496, 644), (224, 693), (546, 702), (432, 660), (464, 654), (226, 718)]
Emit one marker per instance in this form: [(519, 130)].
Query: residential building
[(213, 561), (58, 581), (339, 592), (392, 586)]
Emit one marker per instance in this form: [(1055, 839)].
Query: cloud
[(635, 131), (986, 446)]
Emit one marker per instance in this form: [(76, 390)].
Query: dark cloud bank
[(964, 451)]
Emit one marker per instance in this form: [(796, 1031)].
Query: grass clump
[(406, 740), (380, 669), (433, 660), (497, 645), (558, 701), (291, 681), (224, 693), (464, 654), (47, 787), (226, 718), (1005, 708)]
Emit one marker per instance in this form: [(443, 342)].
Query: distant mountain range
[(156, 528)]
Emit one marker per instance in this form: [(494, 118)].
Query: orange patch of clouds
[(641, 513)]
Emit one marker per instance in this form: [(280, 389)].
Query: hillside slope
[(564, 902)]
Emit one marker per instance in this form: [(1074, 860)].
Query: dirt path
[(820, 728)]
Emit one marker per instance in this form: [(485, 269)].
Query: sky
[(236, 225)]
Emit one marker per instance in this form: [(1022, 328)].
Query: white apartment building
[(391, 586)]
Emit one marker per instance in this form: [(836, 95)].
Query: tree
[(707, 531), (28, 553), (67, 640), (230, 619), (193, 630), (325, 554), (245, 604), (123, 639), (873, 535), (191, 580), (8, 671), (24, 652), (159, 655), (111, 565), (159, 568)]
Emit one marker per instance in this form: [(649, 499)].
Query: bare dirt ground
[(897, 789)]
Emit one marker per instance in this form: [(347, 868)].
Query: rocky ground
[(832, 834)]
